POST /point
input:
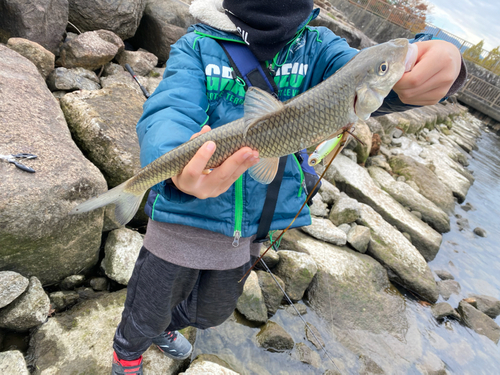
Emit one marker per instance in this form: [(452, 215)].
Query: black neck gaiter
[(267, 25)]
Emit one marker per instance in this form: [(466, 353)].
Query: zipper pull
[(236, 238)]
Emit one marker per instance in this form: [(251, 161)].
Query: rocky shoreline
[(377, 219)]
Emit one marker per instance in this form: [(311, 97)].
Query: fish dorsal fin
[(265, 170), (257, 104)]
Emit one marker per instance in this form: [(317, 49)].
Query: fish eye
[(383, 68)]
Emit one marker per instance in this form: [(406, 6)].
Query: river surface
[(472, 260)]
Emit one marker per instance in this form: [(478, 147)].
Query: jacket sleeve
[(175, 111)]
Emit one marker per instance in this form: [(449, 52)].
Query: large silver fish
[(275, 128)]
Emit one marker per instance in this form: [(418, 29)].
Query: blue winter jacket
[(198, 90)]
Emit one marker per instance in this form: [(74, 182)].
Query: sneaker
[(122, 367), (173, 344)]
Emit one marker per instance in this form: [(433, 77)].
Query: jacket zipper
[(238, 211)]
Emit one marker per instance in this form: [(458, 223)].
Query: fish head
[(378, 69)]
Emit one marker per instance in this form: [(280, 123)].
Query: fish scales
[(276, 129)]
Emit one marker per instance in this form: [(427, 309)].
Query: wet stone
[(314, 337), (488, 305), (444, 275), (307, 355), (61, 300), (480, 232), (301, 308), (274, 338), (442, 310)]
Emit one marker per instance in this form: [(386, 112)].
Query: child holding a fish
[(203, 220)]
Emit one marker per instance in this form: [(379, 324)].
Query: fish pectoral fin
[(265, 170), (257, 104)]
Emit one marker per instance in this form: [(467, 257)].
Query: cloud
[(473, 21)]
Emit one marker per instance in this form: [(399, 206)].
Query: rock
[(443, 310), (80, 340), (63, 299), (296, 270), (274, 338), (103, 125), (318, 207), (407, 266), (329, 192), (307, 355), (90, 50), (449, 172), (162, 24), (406, 196), (99, 283), (463, 224), (359, 286), (345, 210), (271, 258), (354, 179), (379, 161), (12, 285), (112, 69), (251, 303), (71, 282), (37, 235), (13, 363), (314, 337), (292, 309), (359, 238), (122, 249), (376, 143), (121, 18), (363, 149), (444, 275), (203, 367), (488, 305), (72, 79), (44, 60), (430, 186), (40, 21), (480, 232), (325, 230), (141, 62), (447, 288), (350, 154), (345, 227), (467, 207), (479, 322), (270, 291), (432, 365), (29, 310)]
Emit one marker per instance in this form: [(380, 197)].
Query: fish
[(275, 128)]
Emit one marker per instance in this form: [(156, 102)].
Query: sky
[(472, 20)]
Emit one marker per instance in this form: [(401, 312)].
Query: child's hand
[(437, 67), (197, 181)]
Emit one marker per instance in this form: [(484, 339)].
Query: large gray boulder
[(251, 302), (13, 363), (43, 59), (103, 124), (37, 236), (80, 340), (163, 22), (12, 285), (351, 292), (41, 21), (90, 50), (427, 181), (357, 183), (29, 310), (296, 270), (120, 17), (408, 197), (404, 263), (121, 251)]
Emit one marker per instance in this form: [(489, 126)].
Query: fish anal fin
[(265, 170)]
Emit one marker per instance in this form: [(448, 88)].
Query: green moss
[(154, 74)]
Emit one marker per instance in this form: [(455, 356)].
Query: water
[(473, 261)]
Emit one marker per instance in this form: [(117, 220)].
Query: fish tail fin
[(126, 203)]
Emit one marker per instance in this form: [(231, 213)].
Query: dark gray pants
[(163, 296)]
